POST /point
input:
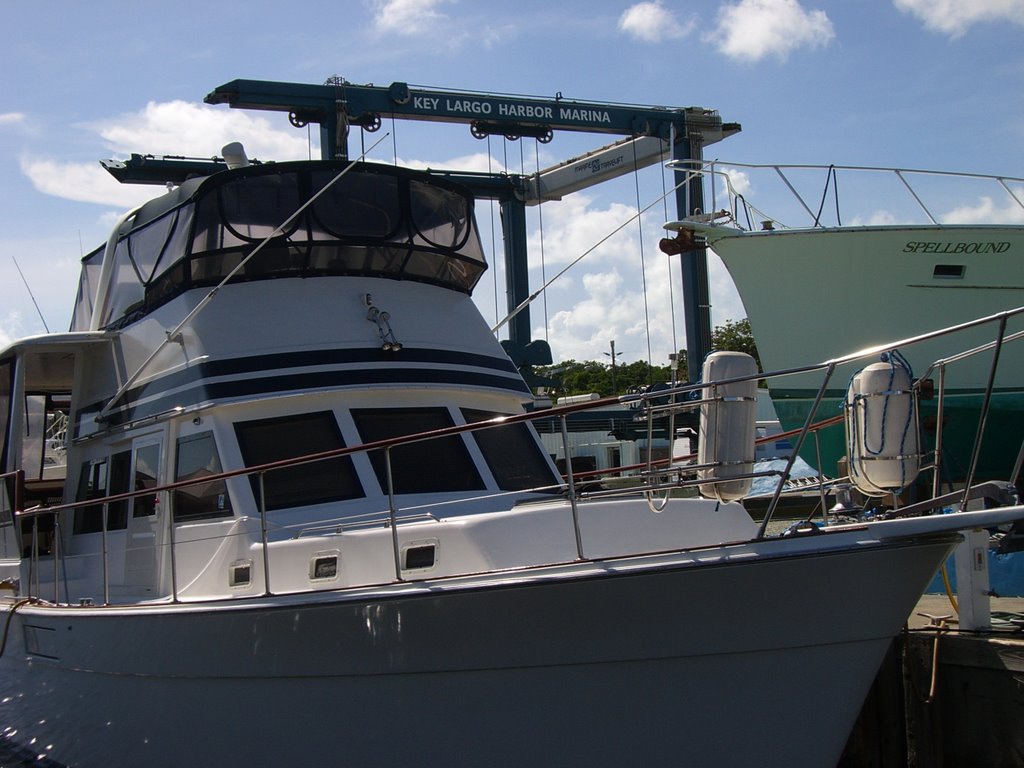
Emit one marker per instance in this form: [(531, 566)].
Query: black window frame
[(494, 442), (284, 487), (185, 497), (427, 466)]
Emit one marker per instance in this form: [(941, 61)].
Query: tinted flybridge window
[(268, 440), (513, 454), (429, 466)]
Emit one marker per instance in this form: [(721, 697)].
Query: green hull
[(1002, 442)]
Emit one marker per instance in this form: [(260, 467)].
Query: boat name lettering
[(925, 247)]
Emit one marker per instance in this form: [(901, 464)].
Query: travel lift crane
[(653, 131)]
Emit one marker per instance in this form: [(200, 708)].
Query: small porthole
[(948, 271), (240, 573), (419, 556), (323, 566)]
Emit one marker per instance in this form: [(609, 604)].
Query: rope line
[(643, 267), (494, 254), (529, 300), (540, 222), (668, 262)]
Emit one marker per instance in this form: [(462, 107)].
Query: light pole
[(613, 354)]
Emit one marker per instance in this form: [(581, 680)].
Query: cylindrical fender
[(728, 423)]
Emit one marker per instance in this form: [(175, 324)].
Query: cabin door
[(145, 517)]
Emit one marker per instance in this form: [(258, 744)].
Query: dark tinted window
[(120, 471), (429, 466), (268, 440), (6, 384), (147, 460), (197, 458), (92, 484), (512, 453)]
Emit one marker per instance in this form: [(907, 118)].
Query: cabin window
[(268, 440), (6, 384), (120, 472), (512, 453), (147, 460), (197, 458), (92, 484), (428, 466)]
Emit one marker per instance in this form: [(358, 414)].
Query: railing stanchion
[(263, 536), (106, 580), (393, 514), (788, 471), (174, 559), (821, 477), (33, 580), (55, 549), (983, 418), (572, 488), (939, 418)]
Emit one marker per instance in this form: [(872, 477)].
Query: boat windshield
[(378, 221)]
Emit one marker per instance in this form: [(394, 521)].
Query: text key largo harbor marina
[(280, 493)]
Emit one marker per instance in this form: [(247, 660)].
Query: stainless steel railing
[(672, 475), (744, 213)]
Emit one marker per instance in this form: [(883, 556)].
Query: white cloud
[(184, 128), (84, 182), (10, 328), (986, 211), (407, 17), (603, 297), (955, 17), (751, 30), (652, 22), (9, 118), (175, 127), (476, 162), (880, 218)]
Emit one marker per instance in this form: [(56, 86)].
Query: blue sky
[(907, 83)]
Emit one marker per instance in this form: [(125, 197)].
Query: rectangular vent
[(324, 566), (948, 270), (240, 573), (419, 556)]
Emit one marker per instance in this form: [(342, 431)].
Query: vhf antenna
[(30, 294)]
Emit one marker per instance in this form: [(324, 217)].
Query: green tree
[(583, 377), (735, 336)]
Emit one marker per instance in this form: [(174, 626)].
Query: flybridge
[(651, 134)]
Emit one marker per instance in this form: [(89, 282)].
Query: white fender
[(728, 425), (882, 428)]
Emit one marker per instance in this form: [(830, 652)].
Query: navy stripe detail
[(274, 362), (316, 380)]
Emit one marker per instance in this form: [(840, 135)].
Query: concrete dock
[(946, 698)]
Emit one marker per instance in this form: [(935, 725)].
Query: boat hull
[(819, 294), (707, 656)]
